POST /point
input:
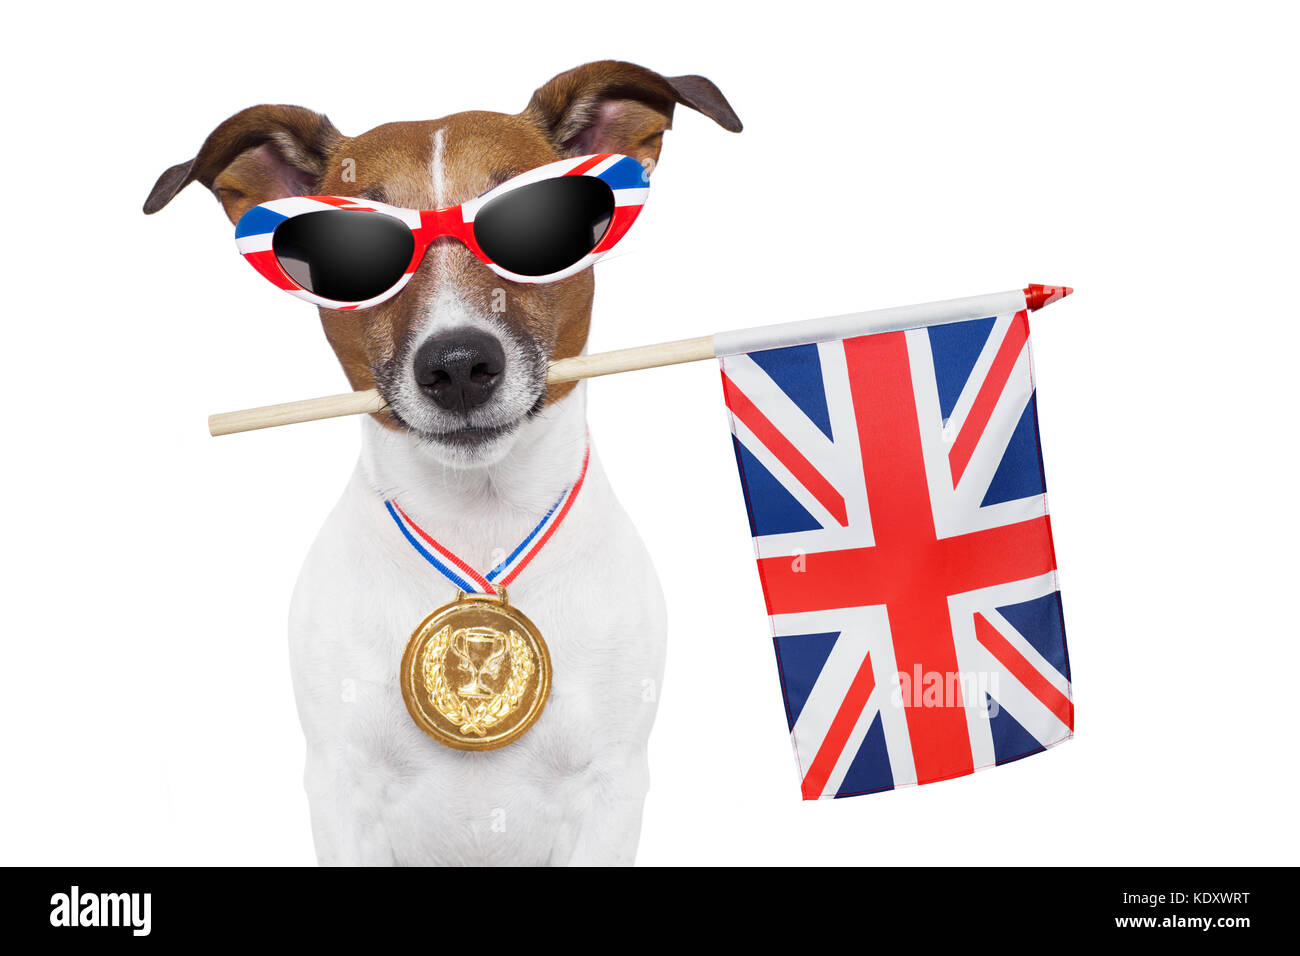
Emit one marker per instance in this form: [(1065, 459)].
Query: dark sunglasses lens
[(545, 227), (344, 254)]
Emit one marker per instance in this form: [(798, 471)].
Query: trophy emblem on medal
[(484, 645)]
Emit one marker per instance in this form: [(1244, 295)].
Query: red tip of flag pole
[(1037, 296)]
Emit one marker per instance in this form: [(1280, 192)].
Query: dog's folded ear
[(259, 154), (616, 107)]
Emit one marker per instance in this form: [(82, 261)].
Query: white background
[(1144, 154)]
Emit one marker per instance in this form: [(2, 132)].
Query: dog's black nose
[(459, 369)]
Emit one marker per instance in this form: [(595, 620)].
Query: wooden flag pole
[(675, 353), (369, 400)]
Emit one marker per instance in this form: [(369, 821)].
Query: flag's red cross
[(910, 570)]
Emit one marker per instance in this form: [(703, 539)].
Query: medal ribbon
[(459, 572)]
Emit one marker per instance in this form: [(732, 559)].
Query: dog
[(479, 473)]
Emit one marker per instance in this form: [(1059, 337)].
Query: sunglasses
[(541, 226)]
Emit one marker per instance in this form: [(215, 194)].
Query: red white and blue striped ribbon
[(459, 572)]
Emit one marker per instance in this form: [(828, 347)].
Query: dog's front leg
[(603, 829), (344, 832)]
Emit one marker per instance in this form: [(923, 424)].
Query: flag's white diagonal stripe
[(828, 693), (858, 734), (1027, 650), (993, 442), (787, 417), (975, 662), (1028, 711), (782, 474), (867, 630), (975, 381), (959, 511)]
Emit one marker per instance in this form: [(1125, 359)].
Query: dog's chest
[(591, 592)]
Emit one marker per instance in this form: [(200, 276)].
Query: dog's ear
[(259, 154), (615, 107)]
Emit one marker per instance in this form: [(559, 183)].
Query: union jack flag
[(896, 496)]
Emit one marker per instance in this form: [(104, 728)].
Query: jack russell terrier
[(471, 452)]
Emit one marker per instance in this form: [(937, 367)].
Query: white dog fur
[(570, 790)]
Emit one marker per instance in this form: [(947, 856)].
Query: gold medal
[(476, 673)]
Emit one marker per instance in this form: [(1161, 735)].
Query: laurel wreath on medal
[(481, 717)]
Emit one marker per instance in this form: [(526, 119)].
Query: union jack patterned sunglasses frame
[(624, 175)]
